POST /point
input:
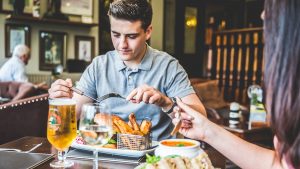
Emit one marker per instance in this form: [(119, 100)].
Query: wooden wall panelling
[(237, 61)]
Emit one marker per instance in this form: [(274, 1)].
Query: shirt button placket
[(130, 80)]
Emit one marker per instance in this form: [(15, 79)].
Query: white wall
[(2, 47), (33, 65), (157, 23)]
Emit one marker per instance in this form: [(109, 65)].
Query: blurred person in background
[(14, 68)]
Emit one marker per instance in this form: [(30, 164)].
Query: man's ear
[(148, 32)]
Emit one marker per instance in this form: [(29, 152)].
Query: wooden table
[(261, 135), (258, 135), (26, 143)]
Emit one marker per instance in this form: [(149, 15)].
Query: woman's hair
[(282, 74), (132, 10)]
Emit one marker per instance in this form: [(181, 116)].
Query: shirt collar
[(145, 64), (147, 61), (119, 63), (18, 60)]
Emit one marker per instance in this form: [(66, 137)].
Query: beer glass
[(61, 128), (95, 126)]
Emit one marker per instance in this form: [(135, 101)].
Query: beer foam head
[(62, 101)]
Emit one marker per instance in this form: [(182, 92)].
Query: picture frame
[(84, 48), (52, 49), (7, 6), (80, 7), (16, 34)]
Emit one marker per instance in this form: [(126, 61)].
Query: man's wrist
[(169, 109)]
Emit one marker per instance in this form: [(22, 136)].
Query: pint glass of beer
[(61, 128)]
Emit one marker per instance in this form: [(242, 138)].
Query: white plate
[(120, 152)]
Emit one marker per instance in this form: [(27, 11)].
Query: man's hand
[(150, 95), (61, 88)]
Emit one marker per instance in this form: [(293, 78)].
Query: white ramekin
[(189, 151)]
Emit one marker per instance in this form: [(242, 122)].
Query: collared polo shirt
[(108, 73)]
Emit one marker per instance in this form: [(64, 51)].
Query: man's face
[(25, 58), (129, 39)]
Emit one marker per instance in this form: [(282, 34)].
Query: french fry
[(133, 122), (129, 123), (129, 132), (122, 125), (116, 129), (146, 126), (137, 133)]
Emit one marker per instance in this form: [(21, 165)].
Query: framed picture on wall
[(84, 48), (52, 49), (7, 5), (15, 35), (77, 7)]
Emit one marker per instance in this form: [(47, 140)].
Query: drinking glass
[(95, 126), (61, 128)]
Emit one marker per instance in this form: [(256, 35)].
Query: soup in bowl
[(183, 147)]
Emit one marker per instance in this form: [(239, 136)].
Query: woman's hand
[(194, 124)]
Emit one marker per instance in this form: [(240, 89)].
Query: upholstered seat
[(17, 90), (25, 117)]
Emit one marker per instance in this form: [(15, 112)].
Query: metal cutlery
[(100, 99), (10, 149), (82, 93), (176, 128), (104, 97), (18, 150)]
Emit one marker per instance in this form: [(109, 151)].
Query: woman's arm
[(242, 153)]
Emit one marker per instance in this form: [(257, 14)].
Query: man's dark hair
[(132, 10), (282, 80)]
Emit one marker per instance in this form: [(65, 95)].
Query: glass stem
[(95, 166), (61, 156)]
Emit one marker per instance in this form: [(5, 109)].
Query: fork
[(106, 96), (18, 150), (100, 99)]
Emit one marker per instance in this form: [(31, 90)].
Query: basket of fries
[(133, 142), (131, 135)]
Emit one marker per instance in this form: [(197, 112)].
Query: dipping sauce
[(177, 143)]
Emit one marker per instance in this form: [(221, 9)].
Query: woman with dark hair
[(282, 83)]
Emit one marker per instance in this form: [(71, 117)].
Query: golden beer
[(61, 128)]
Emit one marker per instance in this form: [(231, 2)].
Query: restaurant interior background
[(218, 42), (181, 28)]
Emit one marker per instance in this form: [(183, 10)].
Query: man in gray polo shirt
[(135, 70)]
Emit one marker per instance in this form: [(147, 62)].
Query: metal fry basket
[(134, 142)]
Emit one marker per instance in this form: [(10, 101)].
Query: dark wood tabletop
[(27, 143), (261, 135)]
